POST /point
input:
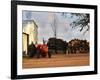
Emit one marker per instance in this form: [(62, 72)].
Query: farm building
[(29, 34)]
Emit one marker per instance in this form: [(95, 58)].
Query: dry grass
[(57, 61)]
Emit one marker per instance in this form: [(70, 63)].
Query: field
[(57, 60)]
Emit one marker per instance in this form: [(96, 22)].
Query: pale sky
[(44, 21)]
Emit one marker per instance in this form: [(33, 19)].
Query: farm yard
[(57, 60), (42, 41), (74, 53)]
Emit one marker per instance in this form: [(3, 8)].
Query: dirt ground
[(57, 60)]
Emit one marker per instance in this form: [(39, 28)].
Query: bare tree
[(82, 21)]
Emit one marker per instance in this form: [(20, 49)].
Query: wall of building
[(30, 28)]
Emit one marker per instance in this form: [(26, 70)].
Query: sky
[(45, 23)]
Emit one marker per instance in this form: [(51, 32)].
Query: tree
[(60, 44), (82, 21)]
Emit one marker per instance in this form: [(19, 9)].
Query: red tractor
[(42, 50)]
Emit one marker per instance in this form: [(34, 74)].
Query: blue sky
[(45, 20)]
